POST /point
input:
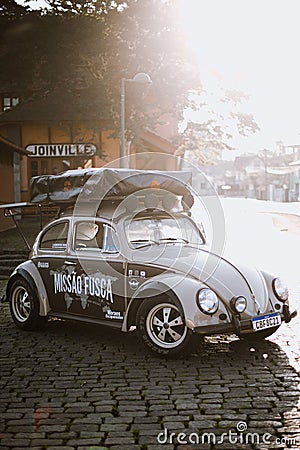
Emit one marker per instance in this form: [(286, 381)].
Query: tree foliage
[(83, 7), (85, 47), (11, 10), (216, 120), (79, 44)]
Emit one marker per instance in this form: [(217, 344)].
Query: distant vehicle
[(138, 260)]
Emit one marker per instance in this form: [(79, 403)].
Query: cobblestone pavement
[(79, 386)]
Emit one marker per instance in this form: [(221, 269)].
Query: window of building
[(9, 102), (44, 167), (49, 166), (34, 168)]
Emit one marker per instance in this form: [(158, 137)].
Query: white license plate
[(266, 321)]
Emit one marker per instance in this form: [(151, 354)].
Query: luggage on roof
[(110, 183)]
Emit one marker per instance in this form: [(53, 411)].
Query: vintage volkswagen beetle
[(124, 251)]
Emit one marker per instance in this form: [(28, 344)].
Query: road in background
[(267, 235)]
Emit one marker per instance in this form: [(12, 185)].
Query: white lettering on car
[(43, 265), (113, 315), (91, 285)]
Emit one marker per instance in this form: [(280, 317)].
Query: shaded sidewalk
[(13, 249), (12, 240)]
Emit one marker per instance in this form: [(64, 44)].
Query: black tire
[(24, 306), (160, 326), (259, 335)]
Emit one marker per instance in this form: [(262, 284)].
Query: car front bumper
[(238, 326)]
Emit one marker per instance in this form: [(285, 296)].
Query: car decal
[(93, 288), (114, 315), (137, 273), (43, 265)]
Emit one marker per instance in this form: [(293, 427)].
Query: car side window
[(110, 240), (96, 236), (88, 235), (55, 238)]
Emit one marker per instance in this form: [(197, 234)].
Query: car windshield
[(143, 231)]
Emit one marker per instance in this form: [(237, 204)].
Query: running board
[(86, 319)]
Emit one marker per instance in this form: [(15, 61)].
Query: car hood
[(228, 279)]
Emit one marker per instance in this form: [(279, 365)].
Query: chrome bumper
[(238, 326)]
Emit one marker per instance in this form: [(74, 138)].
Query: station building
[(51, 134)]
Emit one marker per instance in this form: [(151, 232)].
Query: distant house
[(267, 176)]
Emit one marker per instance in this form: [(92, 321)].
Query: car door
[(98, 271), (50, 261)]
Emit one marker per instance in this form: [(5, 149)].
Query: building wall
[(108, 150), (167, 127), (7, 185), (63, 133)]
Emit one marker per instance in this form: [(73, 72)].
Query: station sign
[(60, 150)]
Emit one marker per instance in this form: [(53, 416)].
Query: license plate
[(266, 321)]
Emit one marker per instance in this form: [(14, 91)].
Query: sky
[(34, 4), (252, 46)]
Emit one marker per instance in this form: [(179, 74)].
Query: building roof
[(243, 161), (7, 145), (58, 105), (157, 143)]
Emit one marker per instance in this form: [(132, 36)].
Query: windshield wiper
[(189, 244), (144, 242), (149, 242), (172, 239)]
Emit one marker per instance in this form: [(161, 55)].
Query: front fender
[(30, 273), (269, 278), (182, 290)]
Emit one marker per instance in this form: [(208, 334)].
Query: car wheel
[(24, 306), (161, 327), (259, 335)]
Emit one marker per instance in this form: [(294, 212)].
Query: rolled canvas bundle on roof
[(111, 183)]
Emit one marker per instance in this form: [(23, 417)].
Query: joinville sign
[(60, 150)]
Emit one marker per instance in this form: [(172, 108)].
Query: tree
[(90, 45), (83, 7), (10, 9), (216, 120), (80, 49)]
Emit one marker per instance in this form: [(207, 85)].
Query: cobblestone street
[(76, 386), (86, 387)]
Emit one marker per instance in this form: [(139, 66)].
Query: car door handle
[(70, 263)]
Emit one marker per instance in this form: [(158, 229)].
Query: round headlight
[(280, 289), (207, 301), (239, 304)]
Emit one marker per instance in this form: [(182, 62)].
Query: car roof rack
[(14, 210)]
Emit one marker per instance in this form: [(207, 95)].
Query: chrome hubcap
[(165, 326), (21, 304)]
